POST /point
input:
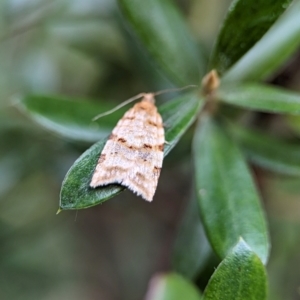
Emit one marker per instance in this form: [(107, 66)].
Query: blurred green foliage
[(79, 50)]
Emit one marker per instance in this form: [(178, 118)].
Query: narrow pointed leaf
[(269, 152), (269, 53), (162, 31), (229, 202), (177, 114), (172, 287), (240, 276), (294, 123), (191, 250), (68, 118), (260, 97), (246, 22)]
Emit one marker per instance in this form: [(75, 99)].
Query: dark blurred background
[(83, 48)]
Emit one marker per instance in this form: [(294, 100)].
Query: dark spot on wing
[(161, 147), (156, 170), (129, 118), (152, 123), (141, 176), (122, 140), (147, 146), (102, 158)]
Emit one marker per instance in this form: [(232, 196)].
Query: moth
[(133, 154)]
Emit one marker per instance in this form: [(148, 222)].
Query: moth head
[(149, 98)]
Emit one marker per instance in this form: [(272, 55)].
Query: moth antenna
[(175, 89), (139, 96), (119, 106)]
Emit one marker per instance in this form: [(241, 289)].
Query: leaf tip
[(58, 211)]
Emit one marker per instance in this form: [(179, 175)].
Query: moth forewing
[(133, 154)]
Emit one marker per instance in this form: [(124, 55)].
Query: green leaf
[(177, 114), (172, 287), (192, 250), (269, 53), (229, 203), (68, 118), (162, 31), (260, 97), (246, 22), (240, 276), (268, 152), (294, 123), (284, 265)]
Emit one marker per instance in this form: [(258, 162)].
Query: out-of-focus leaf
[(76, 193), (283, 209), (269, 53), (161, 29), (240, 276), (229, 202), (191, 249), (246, 22), (172, 287), (10, 171), (68, 118), (90, 36), (294, 123), (260, 97), (269, 152)]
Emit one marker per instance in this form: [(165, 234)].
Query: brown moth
[(133, 154)]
